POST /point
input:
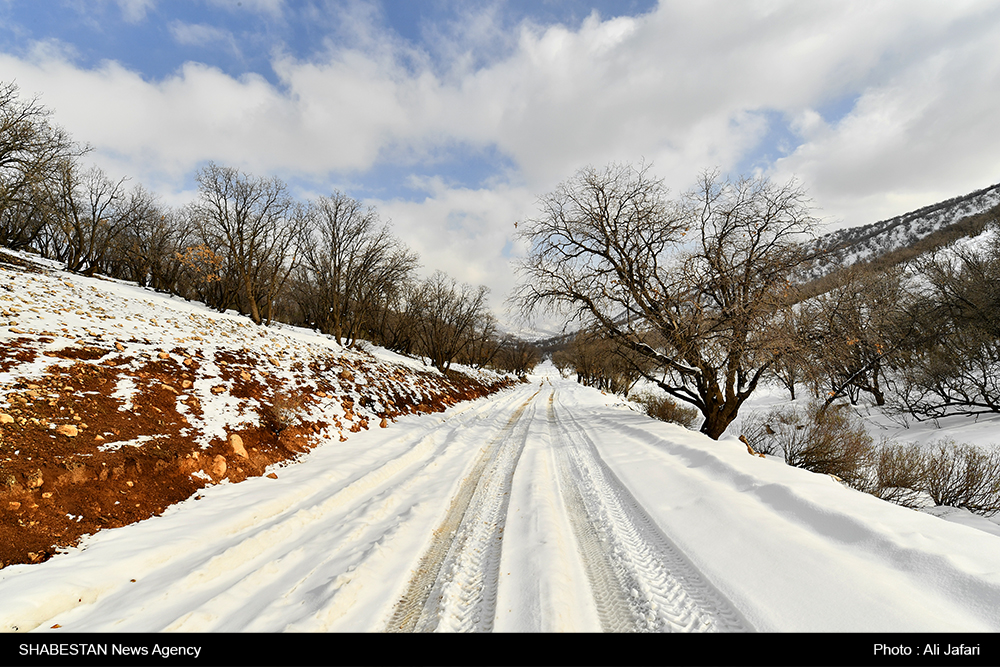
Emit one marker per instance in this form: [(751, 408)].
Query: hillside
[(908, 234), (116, 402)]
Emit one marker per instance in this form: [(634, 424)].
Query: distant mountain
[(907, 235)]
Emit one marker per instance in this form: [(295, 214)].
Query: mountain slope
[(921, 230), (116, 402)]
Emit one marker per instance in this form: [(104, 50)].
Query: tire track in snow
[(296, 525), (640, 579), (455, 585)]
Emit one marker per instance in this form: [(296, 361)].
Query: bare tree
[(92, 212), (149, 250), (352, 263), (693, 285), (253, 223), (447, 316), (791, 367), (484, 344), (33, 154), (601, 362), (516, 355), (855, 331), (954, 366)]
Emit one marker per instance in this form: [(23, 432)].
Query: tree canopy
[(692, 284)]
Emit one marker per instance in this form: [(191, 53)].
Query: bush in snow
[(666, 409), (283, 412), (824, 441), (830, 442), (898, 474), (964, 476)]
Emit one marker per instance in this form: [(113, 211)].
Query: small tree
[(516, 355), (94, 213), (964, 476), (855, 332), (33, 156), (603, 363), (447, 315), (953, 367), (693, 285), (352, 264)]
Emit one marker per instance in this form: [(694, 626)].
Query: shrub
[(283, 412), (758, 429), (955, 475), (897, 474), (666, 409), (964, 476), (824, 441)]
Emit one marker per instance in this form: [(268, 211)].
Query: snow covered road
[(550, 507)]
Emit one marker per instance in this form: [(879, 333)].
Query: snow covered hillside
[(846, 247), (116, 402)]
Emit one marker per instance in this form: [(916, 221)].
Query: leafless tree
[(396, 320), (515, 355), (855, 331), (254, 224), (352, 264), (954, 367), (602, 362), (484, 342), (33, 154), (149, 251), (704, 275), (92, 212), (792, 367), (446, 317)]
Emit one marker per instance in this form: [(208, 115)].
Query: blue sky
[(452, 117)]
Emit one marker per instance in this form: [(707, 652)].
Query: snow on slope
[(856, 244), (116, 401), (549, 507)]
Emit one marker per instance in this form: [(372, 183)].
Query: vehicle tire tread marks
[(657, 589)]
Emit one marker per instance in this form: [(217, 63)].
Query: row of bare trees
[(245, 244)]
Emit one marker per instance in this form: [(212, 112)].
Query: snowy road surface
[(551, 507)]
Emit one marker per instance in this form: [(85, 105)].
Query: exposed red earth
[(78, 454)]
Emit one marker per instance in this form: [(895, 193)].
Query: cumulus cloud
[(134, 11), (466, 232), (688, 86), (914, 138)]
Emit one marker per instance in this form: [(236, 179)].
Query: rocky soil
[(116, 403)]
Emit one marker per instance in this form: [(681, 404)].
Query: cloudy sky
[(452, 117)]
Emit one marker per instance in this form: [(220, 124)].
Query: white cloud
[(199, 34), (684, 87), (463, 232), (134, 11), (924, 134)]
